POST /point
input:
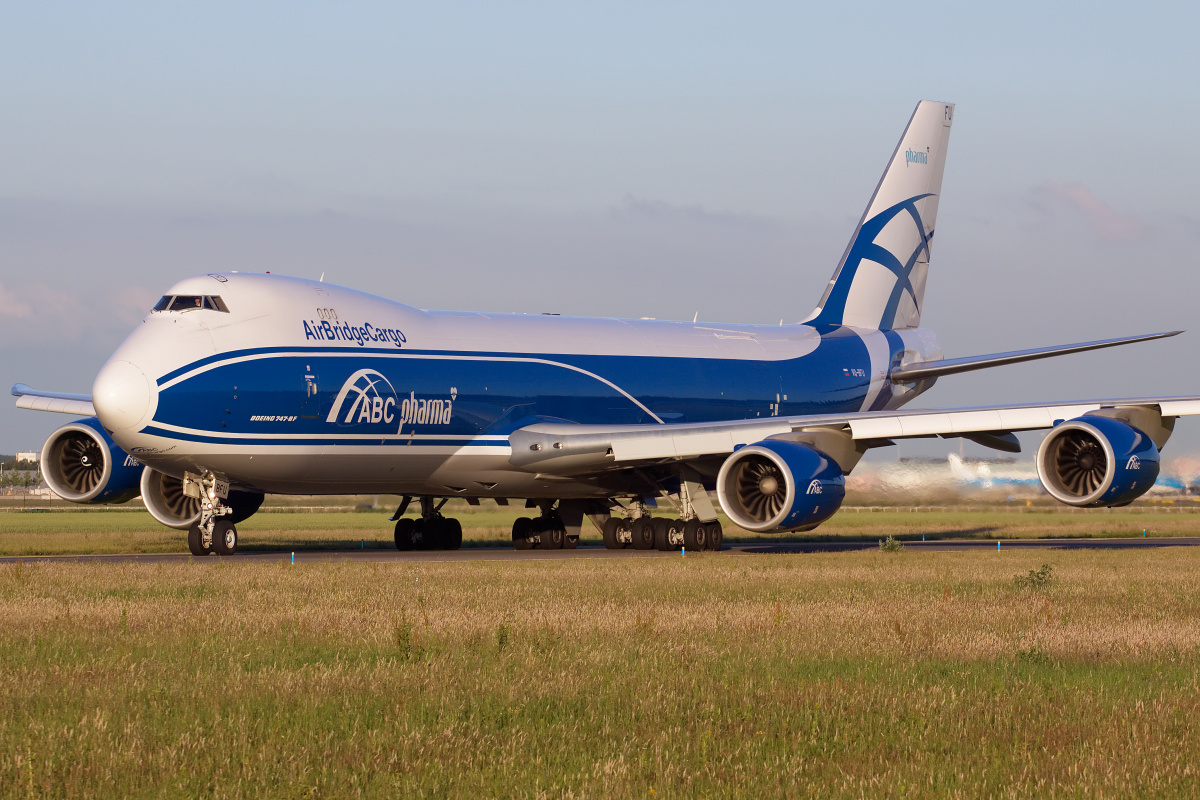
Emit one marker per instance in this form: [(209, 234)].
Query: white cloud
[(131, 303), (1111, 225), (11, 305)]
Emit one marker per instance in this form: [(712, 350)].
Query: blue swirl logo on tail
[(865, 248)]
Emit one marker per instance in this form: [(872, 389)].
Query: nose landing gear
[(211, 533)]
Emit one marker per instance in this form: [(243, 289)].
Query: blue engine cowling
[(776, 486), (1095, 461), (82, 464)]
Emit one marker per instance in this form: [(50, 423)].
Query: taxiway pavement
[(503, 553)]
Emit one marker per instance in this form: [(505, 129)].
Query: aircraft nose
[(122, 396)]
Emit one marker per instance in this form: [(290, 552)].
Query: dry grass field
[(954, 674)]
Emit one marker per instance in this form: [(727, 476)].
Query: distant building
[(30, 457)]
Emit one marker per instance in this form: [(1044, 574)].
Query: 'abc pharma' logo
[(371, 396)]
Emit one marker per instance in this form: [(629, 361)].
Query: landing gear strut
[(545, 532), (212, 533), (642, 532), (431, 532)]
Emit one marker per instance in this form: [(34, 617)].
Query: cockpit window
[(190, 302), (185, 302)]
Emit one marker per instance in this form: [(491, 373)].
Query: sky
[(613, 159)]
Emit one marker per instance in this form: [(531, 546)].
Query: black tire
[(610, 534), (570, 542), (451, 534), (428, 534), (404, 533), (695, 535), (225, 537), (662, 532), (642, 529), (716, 536), (196, 541), (522, 530), (552, 533)]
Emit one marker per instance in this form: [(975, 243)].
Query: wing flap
[(578, 449), (937, 423), (1179, 408), (681, 445), (78, 404), (82, 408)]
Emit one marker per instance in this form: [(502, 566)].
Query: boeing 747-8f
[(239, 385)]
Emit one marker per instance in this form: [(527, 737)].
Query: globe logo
[(371, 396)]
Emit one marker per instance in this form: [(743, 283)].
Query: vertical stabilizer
[(880, 282)]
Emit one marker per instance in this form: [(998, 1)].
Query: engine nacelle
[(166, 502), (82, 464), (776, 486), (1095, 461)]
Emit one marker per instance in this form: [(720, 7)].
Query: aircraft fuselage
[(294, 386)]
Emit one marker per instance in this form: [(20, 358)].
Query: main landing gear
[(545, 532), (656, 533), (212, 533), (431, 532), (643, 532)]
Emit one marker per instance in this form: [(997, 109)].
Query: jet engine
[(776, 486), (82, 464), (1094, 461), (166, 502)]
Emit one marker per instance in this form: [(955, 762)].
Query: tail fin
[(880, 282)]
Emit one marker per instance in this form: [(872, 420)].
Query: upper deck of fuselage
[(253, 311)]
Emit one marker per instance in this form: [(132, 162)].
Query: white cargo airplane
[(238, 385)]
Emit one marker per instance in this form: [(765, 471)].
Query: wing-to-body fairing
[(238, 385)]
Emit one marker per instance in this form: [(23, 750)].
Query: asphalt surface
[(500, 553)]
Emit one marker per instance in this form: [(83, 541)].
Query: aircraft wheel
[(662, 534), (695, 535), (611, 533), (570, 542), (552, 532), (451, 534), (430, 533), (404, 533), (643, 533), (196, 541), (225, 538), (522, 531), (715, 536)]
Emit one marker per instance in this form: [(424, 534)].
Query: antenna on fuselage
[(322, 278)]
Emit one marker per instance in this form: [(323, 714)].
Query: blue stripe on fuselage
[(294, 390)]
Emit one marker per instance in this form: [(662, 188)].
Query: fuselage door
[(310, 408)]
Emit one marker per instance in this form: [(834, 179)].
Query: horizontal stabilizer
[(62, 402), (932, 369)]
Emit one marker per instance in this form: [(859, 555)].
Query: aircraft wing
[(78, 404), (556, 448)]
